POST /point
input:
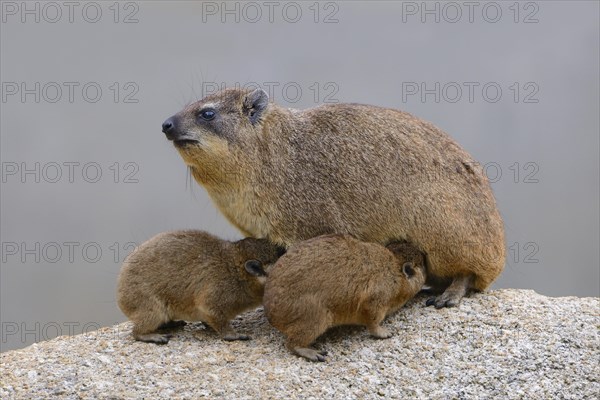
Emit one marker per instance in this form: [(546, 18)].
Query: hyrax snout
[(194, 276), (336, 280)]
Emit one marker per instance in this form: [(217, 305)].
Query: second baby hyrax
[(376, 173), (193, 276), (334, 280)]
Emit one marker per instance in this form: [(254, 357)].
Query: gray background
[(373, 52)]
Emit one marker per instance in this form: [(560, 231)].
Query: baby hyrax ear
[(408, 269), (255, 104), (254, 268)]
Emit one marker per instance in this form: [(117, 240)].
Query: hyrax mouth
[(184, 142)]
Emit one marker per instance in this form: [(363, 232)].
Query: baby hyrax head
[(193, 276), (254, 258), (205, 132), (412, 261)]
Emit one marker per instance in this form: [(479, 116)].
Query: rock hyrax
[(376, 173), (336, 280), (193, 276)]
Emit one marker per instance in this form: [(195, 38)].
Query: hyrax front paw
[(230, 337), (444, 300), (453, 293), (154, 338), (310, 354), (380, 332)]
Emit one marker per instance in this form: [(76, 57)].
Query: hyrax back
[(194, 276), (335, 280), (378, 174)]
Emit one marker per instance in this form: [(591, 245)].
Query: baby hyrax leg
[(304, 331), (221, 325), (157, 338), (232, 335), (375, 315), (453, 293), (146, 332), (301, 348), (380, 332), (310, 354), (146, 322)]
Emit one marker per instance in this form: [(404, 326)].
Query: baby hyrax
[(337, 280), (192, 275)]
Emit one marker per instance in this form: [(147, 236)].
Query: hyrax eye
[(207, 115)]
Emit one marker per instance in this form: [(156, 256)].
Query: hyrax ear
[(254, 268), (281, 251), (408, 269), (255, 104)]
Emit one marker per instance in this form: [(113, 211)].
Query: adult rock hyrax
[(335, 280), (193, 276), (376, 173)]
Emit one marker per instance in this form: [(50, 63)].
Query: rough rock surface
[(500, 344)]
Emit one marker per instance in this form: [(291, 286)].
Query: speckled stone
[(501, 344)]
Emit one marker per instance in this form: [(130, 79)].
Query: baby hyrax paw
[(380, 332), (154, 338), (230, 337), (311, 354)]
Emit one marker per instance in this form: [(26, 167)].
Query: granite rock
[(500, 344)]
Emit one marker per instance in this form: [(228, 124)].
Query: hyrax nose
[(168, 128)]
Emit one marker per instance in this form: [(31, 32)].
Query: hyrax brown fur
[(376, 173), (194, 276), (336, 280)]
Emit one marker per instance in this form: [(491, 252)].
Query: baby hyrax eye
[(207, 114)]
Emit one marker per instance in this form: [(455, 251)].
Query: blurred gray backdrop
[(87, 173)]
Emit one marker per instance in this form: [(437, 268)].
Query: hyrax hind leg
[(220, 323), (299, 344), (147, 316), (146, 324), (156, 337), (453, 293), (374, 313), (304, 331)]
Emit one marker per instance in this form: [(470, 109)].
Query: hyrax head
[(412, 261), (204, 131), (254, 258)]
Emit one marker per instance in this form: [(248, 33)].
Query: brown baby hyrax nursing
[(192, 276), (337, 280), (376, 173)]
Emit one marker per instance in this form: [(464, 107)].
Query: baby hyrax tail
[(191, 275), (336, 280)]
